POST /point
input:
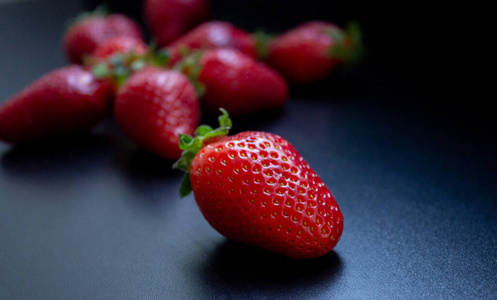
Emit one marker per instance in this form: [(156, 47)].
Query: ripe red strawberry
[(255, 188), (238, 83), (91, 30), (64, 100), (213, 35), (170, 19), (154, 106), (119, 45), (313, 50)]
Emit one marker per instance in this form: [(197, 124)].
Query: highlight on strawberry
[(255, 188), (213, 35)]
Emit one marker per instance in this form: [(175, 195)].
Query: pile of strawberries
[(253, 187)]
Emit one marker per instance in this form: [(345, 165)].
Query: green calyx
[(348, 46), (190, 66), (157, 57), (262, 41), (192, 145), (119, 66)]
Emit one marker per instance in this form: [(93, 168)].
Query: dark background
[(406, 143)]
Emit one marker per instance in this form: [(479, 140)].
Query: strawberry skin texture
[(255, 188), (214, 35), (170, 19), (239, 83), (154, 106), (62, 101), (302, 55), (119, 45), (84, 37)]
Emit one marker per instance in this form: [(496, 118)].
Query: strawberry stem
[(190, 66), (119, 66), (192, 145), (348, 46), (262, 40)]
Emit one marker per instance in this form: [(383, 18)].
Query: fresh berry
[(313, 50), (238, 83), (170, 19), (255, 188), (115, 59), (92, 29), (154, 106), (213, 35), (119, 45), (62, 101)]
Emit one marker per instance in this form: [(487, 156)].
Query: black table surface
[(92, 216)]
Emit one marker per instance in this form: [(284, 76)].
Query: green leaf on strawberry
[(192, 145), (348, 45)]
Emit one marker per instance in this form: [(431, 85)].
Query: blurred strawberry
[(213, 35), (235, 82), (170, 19), (62, 101), (314, 50), (154, 106), (119, 45), (92, 29)]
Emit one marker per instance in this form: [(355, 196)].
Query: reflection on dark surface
[(251, 271)]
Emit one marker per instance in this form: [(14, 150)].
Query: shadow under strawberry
[(253, 272), (146, 165), (58, 157), (150, 177)]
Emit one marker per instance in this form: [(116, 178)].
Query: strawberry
[(92, 29), (237, 82), (212, 35), (255, 188), (314, 50), (119, 45), (115, 59), (170, 19), (154, 106), (64, 100)]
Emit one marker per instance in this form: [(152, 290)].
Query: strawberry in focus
[(213, 35), (65, 100), (314, 50), (154, 106), (92, 29), (236, 82), (170, 19), (255, 188)]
